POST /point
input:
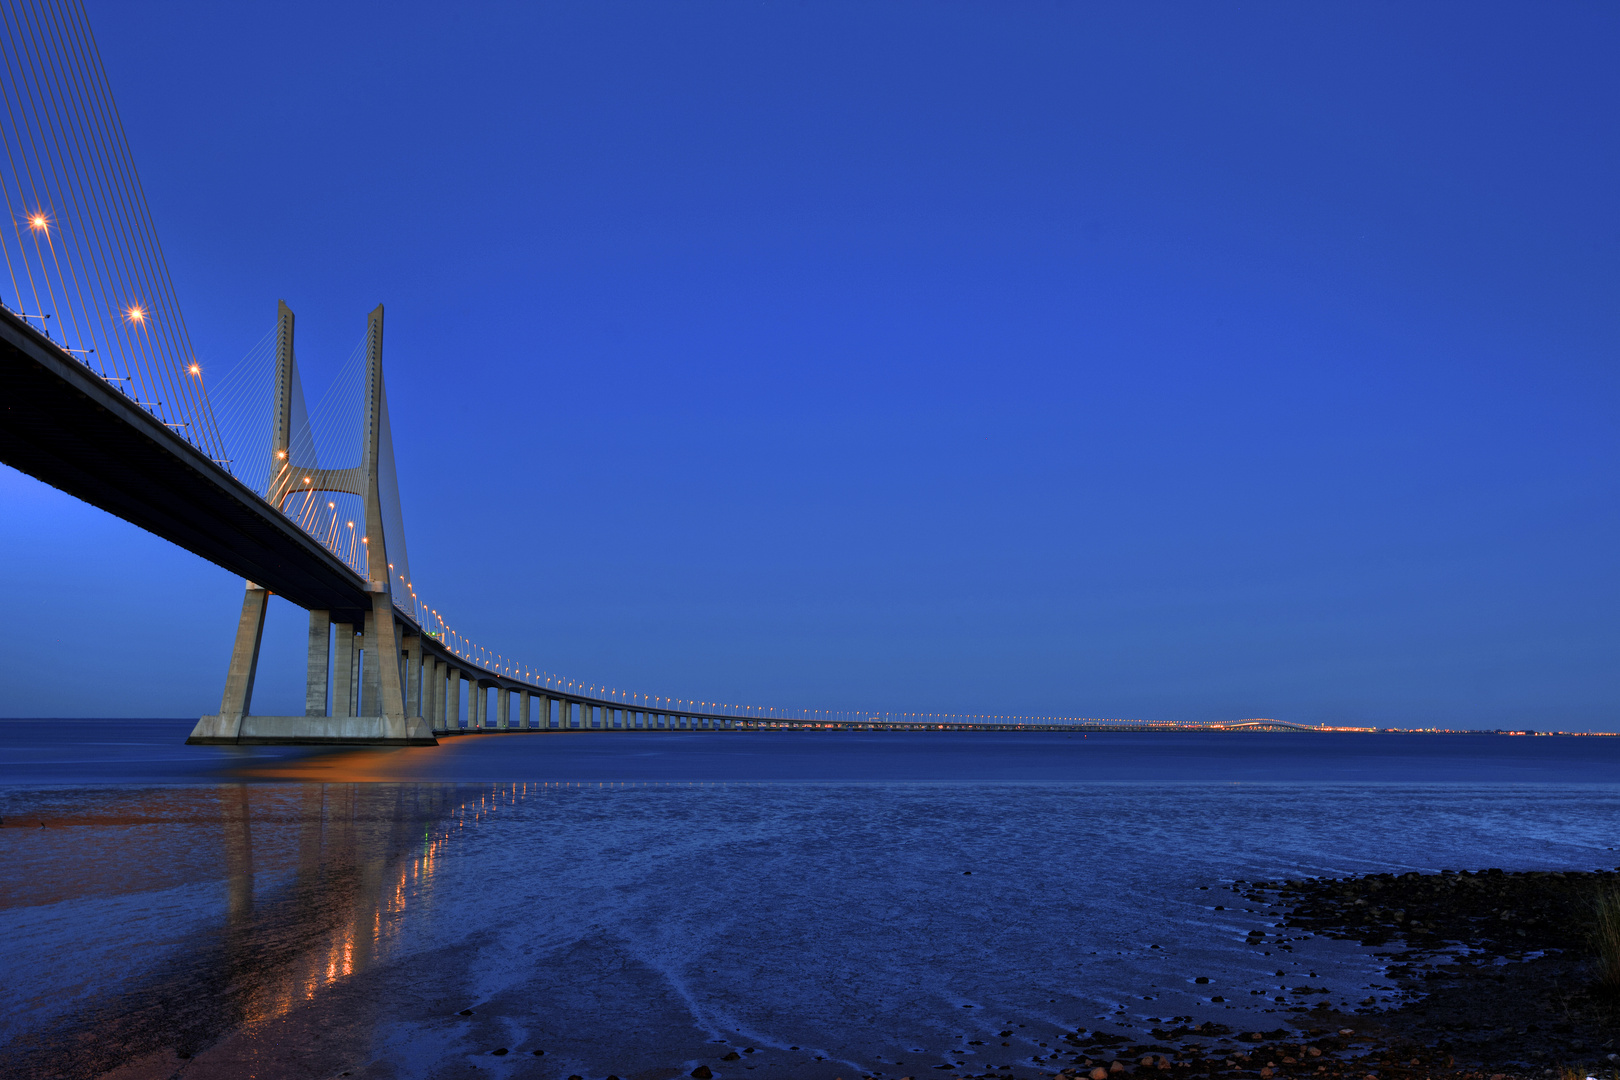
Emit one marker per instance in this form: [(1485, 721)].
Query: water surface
[(637, 903)]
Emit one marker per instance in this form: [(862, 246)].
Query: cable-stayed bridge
[(103, 396)]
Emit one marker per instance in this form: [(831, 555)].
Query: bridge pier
[(318, 678), (235, 723), (238, 696), (370, 670), (410, 658), (430, 691), (346, 655)]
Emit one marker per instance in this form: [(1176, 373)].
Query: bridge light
[(195, 370), (38, 221), (136, 313)]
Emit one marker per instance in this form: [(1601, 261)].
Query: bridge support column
[(238, 696), (452, 699), (430, 691), (524, 699), (441, 694), (346, 660), (503, 708), (412, 657), (318, 677), (370, 672), (542, 711), (478, 708)]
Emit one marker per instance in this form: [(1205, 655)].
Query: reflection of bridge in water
[(318, 880), (105, 399)]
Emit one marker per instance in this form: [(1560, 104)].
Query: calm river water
[(637, 904)]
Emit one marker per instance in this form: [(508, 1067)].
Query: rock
[(539, 1053), (1347, 1031), (1202, 980), (464, 1012), (1265, 1073), (498, 1053), (1099, 1073), (701, 1073), (733, 1056), (1117, 1067)]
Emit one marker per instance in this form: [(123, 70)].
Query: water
[(638, 903)]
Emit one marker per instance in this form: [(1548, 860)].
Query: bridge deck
[(62, 423)]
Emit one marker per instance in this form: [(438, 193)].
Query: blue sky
[(1179, 361)]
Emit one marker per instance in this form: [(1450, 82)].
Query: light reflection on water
[(281, 925)]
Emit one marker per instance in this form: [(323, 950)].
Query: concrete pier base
[(311, 731)]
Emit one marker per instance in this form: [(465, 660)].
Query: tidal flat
[(796, 905)]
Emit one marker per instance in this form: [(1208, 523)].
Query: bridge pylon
[(377, 654)]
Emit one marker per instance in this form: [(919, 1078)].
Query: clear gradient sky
[(1166, 360)]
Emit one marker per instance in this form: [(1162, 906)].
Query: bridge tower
[(373, 654)]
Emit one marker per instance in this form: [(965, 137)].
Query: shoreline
[(1492, 980), (1492, 975)]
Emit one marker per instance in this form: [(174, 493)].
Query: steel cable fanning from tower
[(79, 254)]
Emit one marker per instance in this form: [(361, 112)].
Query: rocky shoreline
[(1493, 970), (1492, 973), (1493, 979)]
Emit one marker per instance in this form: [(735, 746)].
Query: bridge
[(103, 397)]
